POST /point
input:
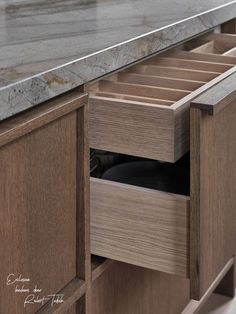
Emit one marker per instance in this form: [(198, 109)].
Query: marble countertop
[(50, 47)]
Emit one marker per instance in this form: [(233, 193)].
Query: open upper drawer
[(144, 110)]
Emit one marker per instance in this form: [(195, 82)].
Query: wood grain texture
[(229, 40), (83, 212), (229, 27), (99, 265), (218, 97), (140, 226), (144, 110), (173, 72), (143, 129), (181, 130), (195, 186), (72, 309), (227, 284), (150, 80), (213, 195), (71, 293), (212, 40), (42, 151), (83, 209), (131, 128), (213, 47), (223, 44), (195, 306), (231, 52), (188, 55), (142, 90), (189, 64), (128, 289), (182, 114), (37, 216), (140, 99), (33, 119)]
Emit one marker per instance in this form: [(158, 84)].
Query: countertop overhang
[(51, 47)]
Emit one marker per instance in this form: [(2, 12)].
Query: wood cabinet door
[(213, 184), (39, 204)]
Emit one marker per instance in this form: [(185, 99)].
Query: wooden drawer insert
[(144, 110)]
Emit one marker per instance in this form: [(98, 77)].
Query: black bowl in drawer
[(173, 178)]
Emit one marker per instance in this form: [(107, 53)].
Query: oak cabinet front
[(38, 200)]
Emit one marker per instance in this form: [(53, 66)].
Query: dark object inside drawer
[(168, 177)]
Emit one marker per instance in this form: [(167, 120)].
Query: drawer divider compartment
[(175, 72), (144, 110), (189, 55), (160, 81), (140, 99), (189, 64), (142, 90)]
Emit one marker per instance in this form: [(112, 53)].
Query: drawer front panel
[(140, 226), (39, 155), (37, 213), (129, 128)]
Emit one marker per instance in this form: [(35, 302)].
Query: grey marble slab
[(50, 47)]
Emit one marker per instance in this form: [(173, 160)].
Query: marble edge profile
[(34, 90)]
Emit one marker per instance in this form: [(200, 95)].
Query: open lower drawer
[(144, 110), (140, 226), (143, 226)]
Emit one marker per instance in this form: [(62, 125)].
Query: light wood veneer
[(144, 110)]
